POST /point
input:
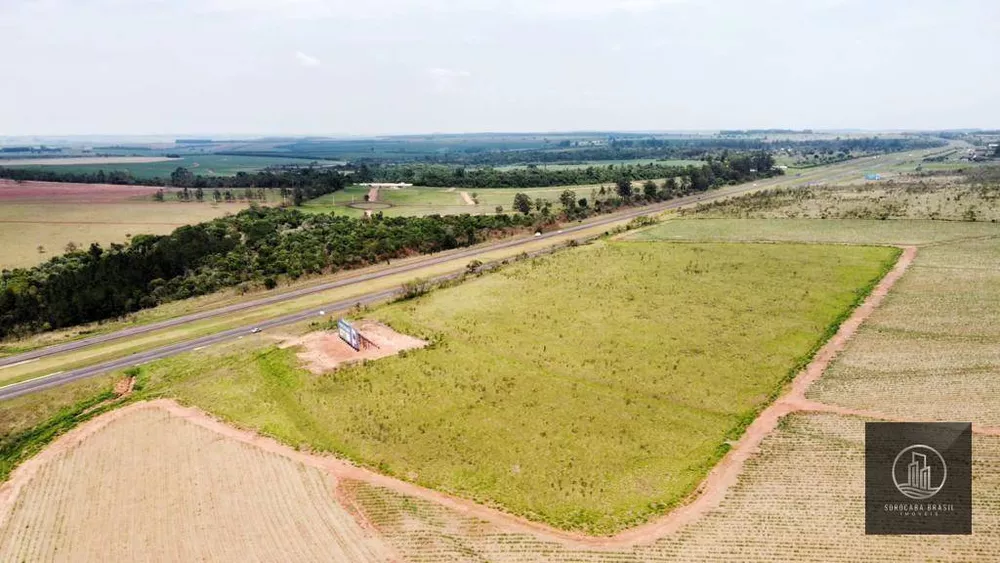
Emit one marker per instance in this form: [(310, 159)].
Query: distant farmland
[(205, 165), (38, 219)]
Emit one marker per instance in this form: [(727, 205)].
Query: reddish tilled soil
[(54, 192)]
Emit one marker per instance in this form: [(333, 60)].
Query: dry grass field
[(941, 197), (152, 486), (26, 226)]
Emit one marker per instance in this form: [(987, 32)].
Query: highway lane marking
[(30, 380), (20, 363)]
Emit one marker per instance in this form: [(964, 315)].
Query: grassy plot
[(591, 389)]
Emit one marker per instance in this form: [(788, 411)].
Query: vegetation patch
[(591, 389)]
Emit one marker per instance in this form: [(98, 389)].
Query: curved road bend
[(44, 382)]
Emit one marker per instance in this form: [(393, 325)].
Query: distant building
[(387, 185)]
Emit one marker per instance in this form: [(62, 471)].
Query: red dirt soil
[(324, 351), (55, 192)]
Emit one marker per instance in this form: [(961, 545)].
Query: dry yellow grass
[(26, 226), (801, 499), (150, 486)]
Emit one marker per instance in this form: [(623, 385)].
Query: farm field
[(201, 164), (444, 201), (51, 215), (82, 160), (595, 163), (799, 499), (950, 198), (934, 342), (841, 231), (143, 472), (25, 227), (508, 397)]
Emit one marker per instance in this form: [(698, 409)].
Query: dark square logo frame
[(918, 478)]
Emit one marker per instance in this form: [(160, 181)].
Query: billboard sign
[(348, 334)]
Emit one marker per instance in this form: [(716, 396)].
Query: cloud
[(321, 9), (306, 60), (448, 73), (448, 80)]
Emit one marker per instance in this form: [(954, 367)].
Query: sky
[(376, 67)]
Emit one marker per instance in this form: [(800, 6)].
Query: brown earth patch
[(57, 192), (325, 351)]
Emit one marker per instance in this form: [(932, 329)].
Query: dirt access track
[(708, 495)]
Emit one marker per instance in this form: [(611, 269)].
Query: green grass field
[(205, 165), (559, 388)]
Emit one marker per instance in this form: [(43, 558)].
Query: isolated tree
[(649, 189), (199, 194), (522, 203), (499, 210), (40, 249), (71, 247), (181, 177), (567, 199), (217, 195), (624, 187), (539, 203)]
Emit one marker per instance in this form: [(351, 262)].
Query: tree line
[(303, 183), (256, 246), (727, 168)]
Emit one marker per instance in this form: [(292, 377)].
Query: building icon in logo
[(919, 472)]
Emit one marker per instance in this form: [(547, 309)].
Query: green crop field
[(561, 388), (201, 164)]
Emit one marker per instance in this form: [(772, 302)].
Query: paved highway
[(819, 175)]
